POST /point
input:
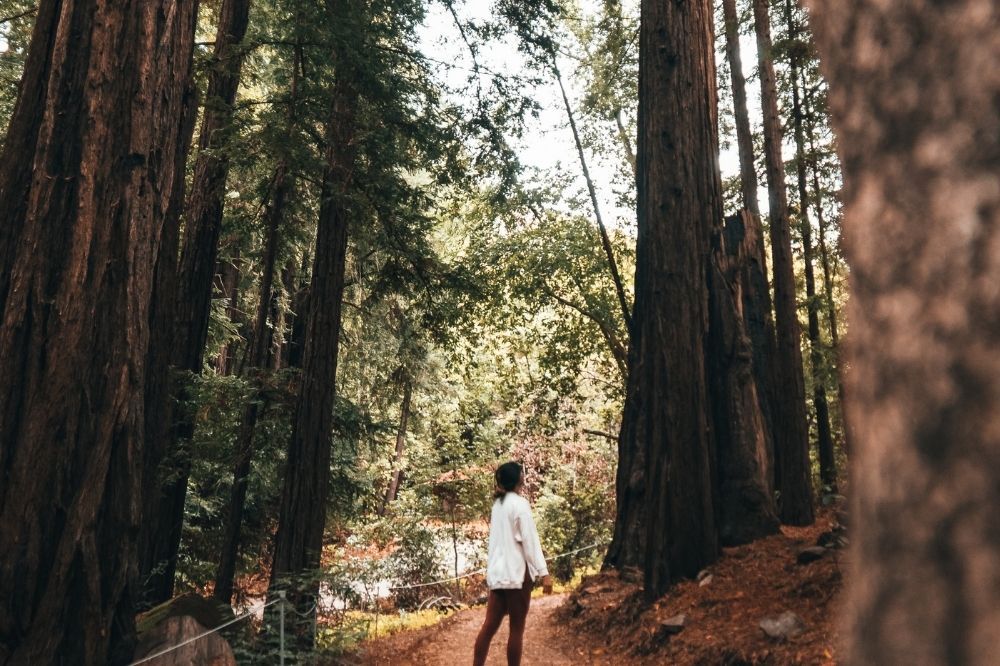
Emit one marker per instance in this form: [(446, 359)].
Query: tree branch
[(14, 17)]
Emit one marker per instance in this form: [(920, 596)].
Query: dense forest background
[(301, 274), (483, 301)]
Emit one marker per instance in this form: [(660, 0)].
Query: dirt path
[(546, 641)]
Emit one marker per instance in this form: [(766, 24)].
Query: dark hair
[(507, 476)]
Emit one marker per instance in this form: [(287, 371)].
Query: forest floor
[(605, 620)]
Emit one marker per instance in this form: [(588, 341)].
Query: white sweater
[(513, 545)]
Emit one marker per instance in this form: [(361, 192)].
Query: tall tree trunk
[(195, 279), (397, 470), (913, 97), (254, 362), (299, 539), (824, 438), (757, 305), (665, 516), (158, 412), (744, 138), (86, 178), (745, 500), (824, 255), (793, 478)]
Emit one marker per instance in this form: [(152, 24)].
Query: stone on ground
[(784, 626)]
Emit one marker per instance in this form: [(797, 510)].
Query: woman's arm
[(532, 547)]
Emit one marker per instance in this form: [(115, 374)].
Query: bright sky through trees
[(548, 144)]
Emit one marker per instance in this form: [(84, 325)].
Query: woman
[(515, 561)]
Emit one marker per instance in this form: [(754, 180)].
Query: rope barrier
[(210, 631), (467, 574), (281, 600)]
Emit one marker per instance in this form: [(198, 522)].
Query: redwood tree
[(755, 287), (793, 478), (196, 273), (298, 542), (666, 518), (824, 435), (744, 138), (914, 86), (744, 494), (86, 182)]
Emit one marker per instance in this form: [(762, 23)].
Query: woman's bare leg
[(517, 605), (496, 608)]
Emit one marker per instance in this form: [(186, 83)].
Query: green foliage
[(17, 17)]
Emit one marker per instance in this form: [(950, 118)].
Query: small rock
[(810, 554), (674, 625), (785, 626), (172, 633), (707, 580)]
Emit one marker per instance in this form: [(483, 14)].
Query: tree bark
[(757, 304), (665, 518), (86, 179), (195, 278), (913, 96), (299, 538), (158, 410), (744, 495), (824, 436), (793, 478), (760, 328), (397, 470), (744, 138)]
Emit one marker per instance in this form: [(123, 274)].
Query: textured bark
[(913, 95), (824, 437), (744, 138), (397, 469), (760, 328), (196, 275), (254, 362), (299, 537), (757, 306), (86, 182), (791, 436), (158, 412), (744, 496), (665, 515)]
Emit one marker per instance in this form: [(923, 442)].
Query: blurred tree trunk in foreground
[(914, 90)]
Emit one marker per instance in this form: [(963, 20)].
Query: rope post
[(281, 630)]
